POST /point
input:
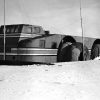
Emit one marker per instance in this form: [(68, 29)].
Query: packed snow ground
[(62, 81)]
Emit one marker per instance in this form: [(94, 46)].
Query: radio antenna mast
[(82, 27), (4, 34)]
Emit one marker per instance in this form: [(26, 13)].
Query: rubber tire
[(84, 53), (66, 53), (95, 52), (62, 51)]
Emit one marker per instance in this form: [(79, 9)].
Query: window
[(16, 29), (42, 43), (7, 30), (33, 30), (10, 29), (37, 29), (27, 29)]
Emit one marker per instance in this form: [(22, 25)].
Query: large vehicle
[(30, 43)]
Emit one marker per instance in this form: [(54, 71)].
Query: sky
[(58, 16)]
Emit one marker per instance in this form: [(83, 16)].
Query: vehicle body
[(31, 43)]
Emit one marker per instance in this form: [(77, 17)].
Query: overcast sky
[(59, 16)]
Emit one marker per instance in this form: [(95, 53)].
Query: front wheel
[(73, 52), (63, 53), (79, 52)]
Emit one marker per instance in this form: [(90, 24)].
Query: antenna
[(82, 28), (4, 34)]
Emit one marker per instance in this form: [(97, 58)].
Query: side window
[(1, 30), (42, 44), (7, 30), (37, 29), (12, 29), (16, 29)]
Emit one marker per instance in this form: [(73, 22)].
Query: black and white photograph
[(49, 50)]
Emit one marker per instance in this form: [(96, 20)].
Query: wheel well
[(64, 40), (97, 41), (68, 39)]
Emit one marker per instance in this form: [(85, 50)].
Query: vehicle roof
[(20, 25)]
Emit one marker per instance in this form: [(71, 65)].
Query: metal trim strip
[(20, 54)]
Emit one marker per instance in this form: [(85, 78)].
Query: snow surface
[(62, 81), (97, 58)]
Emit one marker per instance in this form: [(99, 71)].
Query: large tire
[(73, 52), (95, 52), (79, 53), (61, 54)]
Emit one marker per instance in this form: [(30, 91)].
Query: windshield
[(31, 29)]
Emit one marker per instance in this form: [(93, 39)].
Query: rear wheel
[(95, 52)]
